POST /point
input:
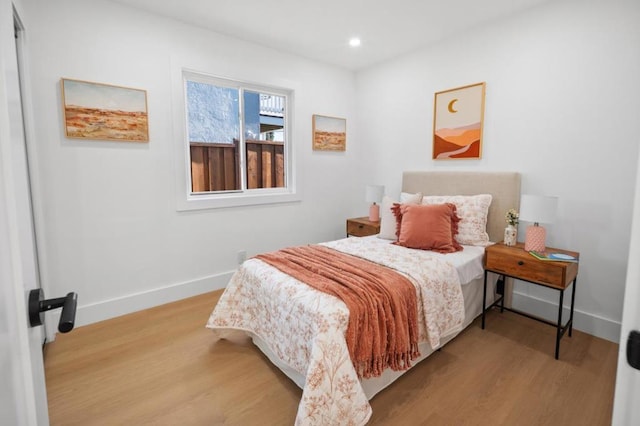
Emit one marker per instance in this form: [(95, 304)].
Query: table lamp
[(537, 209), (374, 195)]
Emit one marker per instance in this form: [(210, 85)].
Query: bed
[(302, 330)]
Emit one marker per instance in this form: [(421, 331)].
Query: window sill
[(235, 199)]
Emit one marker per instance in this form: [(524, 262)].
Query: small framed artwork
[(329, 133), (103, 111), (458, 116)]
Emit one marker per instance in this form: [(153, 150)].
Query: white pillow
[(388, 219), (472, 211)]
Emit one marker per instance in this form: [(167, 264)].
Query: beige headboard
[(503, 186)]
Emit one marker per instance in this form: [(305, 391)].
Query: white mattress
[(468, 263)]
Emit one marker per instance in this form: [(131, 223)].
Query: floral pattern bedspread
[(305, 328)]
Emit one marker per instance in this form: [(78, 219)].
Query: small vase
[(510, 235)]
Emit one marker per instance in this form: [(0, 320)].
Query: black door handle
[(633, 349), (38, 305)]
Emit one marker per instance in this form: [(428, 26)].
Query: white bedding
[(472, 293), (302, 329), (467, 262)]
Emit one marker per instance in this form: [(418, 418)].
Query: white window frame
[(188, 200)]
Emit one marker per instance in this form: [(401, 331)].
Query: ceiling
[(320, 30)]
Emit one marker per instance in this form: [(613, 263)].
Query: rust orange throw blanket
[(383, 328)]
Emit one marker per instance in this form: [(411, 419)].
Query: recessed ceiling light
[(354, 42)]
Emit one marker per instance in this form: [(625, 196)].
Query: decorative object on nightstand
[(374, 195), (553, 257), (537, 209), (511, 231)]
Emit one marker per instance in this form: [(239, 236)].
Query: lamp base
[(374, 213), (535, 238)]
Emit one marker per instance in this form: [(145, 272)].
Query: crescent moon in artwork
[(450, 106)]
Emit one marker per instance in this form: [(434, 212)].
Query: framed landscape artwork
[(103, 111), (329, 133), (457, 123)]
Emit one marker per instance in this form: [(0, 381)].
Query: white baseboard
[(100, 311), (604, 328), (88, 314)]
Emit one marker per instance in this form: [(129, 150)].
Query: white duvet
[(305, 328)]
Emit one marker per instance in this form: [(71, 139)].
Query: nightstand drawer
[(517, 263), (362, 227), (526, 269)]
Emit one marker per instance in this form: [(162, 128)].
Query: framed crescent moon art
[(457, 122)]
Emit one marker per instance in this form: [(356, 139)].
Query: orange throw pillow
[(427, 227)]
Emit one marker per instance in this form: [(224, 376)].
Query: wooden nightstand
[(362, 227), (514, 262)]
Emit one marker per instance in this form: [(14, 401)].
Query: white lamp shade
[(374, 193), (538, 208)]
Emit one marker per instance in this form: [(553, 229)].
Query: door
[(626, 410), (23, 399)]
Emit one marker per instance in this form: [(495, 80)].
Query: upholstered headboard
[(503, 186)]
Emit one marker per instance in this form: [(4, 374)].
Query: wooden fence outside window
[(215, 166)]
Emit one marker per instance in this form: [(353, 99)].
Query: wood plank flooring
[(161, 366)]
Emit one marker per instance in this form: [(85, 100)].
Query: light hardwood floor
[(163, 367)]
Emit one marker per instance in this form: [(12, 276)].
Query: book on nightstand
[(553, 257)]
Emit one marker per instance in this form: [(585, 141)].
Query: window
[(238, 142)]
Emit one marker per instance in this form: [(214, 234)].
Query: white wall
[(562, 108), (112, 232)]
